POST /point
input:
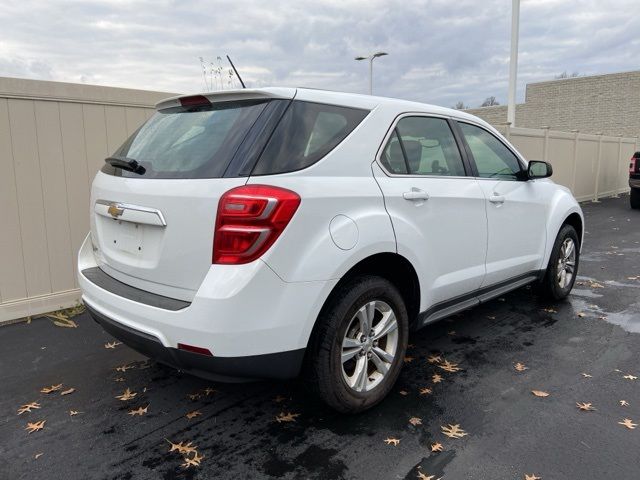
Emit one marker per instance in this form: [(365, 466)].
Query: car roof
[(355, 100)]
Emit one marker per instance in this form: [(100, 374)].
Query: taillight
[(250, 218), (633, 165), (194, 101)]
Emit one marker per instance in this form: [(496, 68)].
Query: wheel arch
[(391, 266)]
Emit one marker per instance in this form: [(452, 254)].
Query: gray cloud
[(440, 51)]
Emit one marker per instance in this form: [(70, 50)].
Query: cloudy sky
[(441, 51)]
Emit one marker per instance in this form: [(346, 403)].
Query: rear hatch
[(154, 203)]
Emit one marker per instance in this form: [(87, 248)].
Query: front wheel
[(563, 264), (359, 344)]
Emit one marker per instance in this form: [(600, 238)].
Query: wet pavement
[(576, 351)]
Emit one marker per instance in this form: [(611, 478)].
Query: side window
[(493, 159), (392, 157), (423, 146), (306, 133)]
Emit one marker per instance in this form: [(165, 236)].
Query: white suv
[(255, 233)]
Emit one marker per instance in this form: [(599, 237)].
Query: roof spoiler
[(232, 95)]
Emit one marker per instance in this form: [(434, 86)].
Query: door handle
[(415, 194), (496, 198)]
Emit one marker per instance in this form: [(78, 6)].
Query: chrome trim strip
[(136, 208)]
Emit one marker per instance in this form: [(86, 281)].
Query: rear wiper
[(126, 164)]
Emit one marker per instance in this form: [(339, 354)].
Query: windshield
[(188, 142)]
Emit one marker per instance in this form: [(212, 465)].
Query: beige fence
[(592, 166), (54, 137)]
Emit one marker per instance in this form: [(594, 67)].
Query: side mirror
[(539, 169)]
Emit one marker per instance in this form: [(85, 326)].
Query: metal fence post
[(575, 161), (599, 161)]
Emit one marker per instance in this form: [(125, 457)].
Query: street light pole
[(513, 62), (371, 58)]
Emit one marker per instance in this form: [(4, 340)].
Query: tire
[(339, 384), (634, 198), (554, 285)]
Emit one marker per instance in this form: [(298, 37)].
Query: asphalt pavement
[(577, 351)]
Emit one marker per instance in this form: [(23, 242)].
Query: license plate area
[(127, 237)]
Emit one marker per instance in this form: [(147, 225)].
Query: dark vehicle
[(634, 180)]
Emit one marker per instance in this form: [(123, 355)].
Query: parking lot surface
[(585, 350)]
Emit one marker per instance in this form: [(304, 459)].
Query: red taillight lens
[(633, 163), (250, 218), (194, 101)]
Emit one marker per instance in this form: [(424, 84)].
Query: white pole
[(513, 62), (371, 75)]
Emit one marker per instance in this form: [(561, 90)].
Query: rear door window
[(307, 132)]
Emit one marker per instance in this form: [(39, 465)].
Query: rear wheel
[(359, 344), (563, 264), (634, 198)]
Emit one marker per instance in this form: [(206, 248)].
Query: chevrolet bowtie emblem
[(115, 211)]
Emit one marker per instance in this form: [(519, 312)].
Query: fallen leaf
[(118, 379), (287, 417), (52, 388), (192, 462), (531, 477), (586, 375), (73, 413), (630, 377), (595, 285), (549, 310), (392, 441), (127, 395), (124, 368), (452, 332), (425, 391), (404, 393), (628, 423), (35, 426), (28, 407), (453, 431), (194, 396), (447, 366), (112, 345), (415, 421), (279, 399), (436, 447), (434, 359), (520, 367), (582, 314), (209, 391), (37, 455), (539, 393), (138, 411), (422, 476), (624, 403), (183, 448), (436, 378), (585, 406), (195, 413), (491, 317), (68, 391), (408, 359)]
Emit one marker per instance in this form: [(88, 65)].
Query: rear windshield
[(190, 143), (204, 142)]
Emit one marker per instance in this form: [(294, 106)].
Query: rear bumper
[(276, 365), (255, 324), (634, 182)]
